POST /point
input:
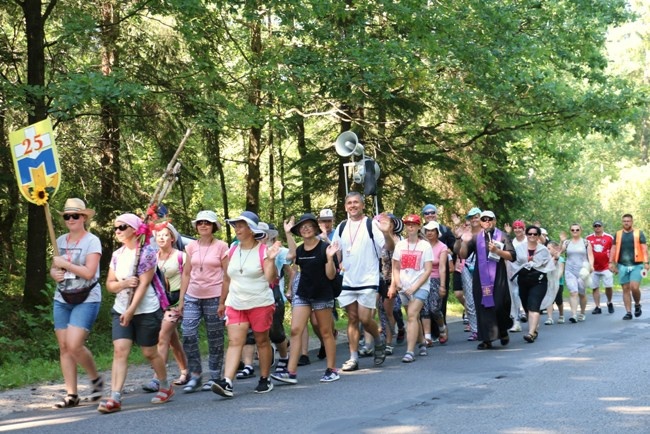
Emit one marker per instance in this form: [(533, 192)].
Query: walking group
[(390, 275)]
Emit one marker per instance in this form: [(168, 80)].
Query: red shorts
[(259, 318)]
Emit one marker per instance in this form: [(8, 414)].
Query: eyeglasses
[(575, 230), (486, 219), (429, 213), (67, 217), (597, 226), (533, 234), (121, 228), (203, 223)]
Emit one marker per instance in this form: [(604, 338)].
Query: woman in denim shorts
[(77, 267), (315, 258)]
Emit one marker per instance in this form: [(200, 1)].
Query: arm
[(442, 268), (270, 271), (113, 285), (590, 255), (225, 286), (185, 280), (394, 281), (330, 268), (140, 291), (613, 267), (291, 243)]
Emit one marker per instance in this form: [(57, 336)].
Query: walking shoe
[(380, 354), (223, 388), (581, 317), (549, 321), (389, 350), (637, 310), (573, 320), (304, 360), (400, 336), (193, 385), (366, 352), (610, 307), (264, 385), (350, 365), (330, 375), (152, 386), (163, 396), (285, 377), (560, 319), (472, 337), (207, 386), (628, 316), (516, 327), (523, 318), (596, 311), (423, 350)]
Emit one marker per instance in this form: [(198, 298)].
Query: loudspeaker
[(371, 177), (347, 144)]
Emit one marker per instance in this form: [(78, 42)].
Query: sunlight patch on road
[(630, 410)]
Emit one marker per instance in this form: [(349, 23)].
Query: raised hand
[(288, 224), (332, 249)]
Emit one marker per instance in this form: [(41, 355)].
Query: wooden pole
[(50, 227)]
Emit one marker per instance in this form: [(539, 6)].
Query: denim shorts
[(81, 315), (315, 304)]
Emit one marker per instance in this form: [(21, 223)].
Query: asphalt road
[(589, 377)]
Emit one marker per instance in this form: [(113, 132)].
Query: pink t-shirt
[(206, 278), (437, 249)]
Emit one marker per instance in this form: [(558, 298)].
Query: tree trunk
[(36, 264), (305, 177), (255, 134), (214, 158), (9, 211)]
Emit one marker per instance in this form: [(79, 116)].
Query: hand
[(272, 251), (130, 282), (60, 262), (492, 247), (332, 249), (126, 318), (392, 291), (455, 220), (563, 237), (221, 310), (466, 235), (58, 275), (385, 223), (288, 224), (613, 268)]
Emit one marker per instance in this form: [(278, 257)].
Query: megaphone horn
[(347, 144)]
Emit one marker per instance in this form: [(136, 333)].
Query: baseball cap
[(598, 223), (472, 212), (412, 218), (488, 214), (326, 214)]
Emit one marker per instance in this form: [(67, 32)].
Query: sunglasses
[(121, 228), (533, 234), (203, 223), (486, 219), (429, 213), (597, 226), (67, 217), (575, 230)]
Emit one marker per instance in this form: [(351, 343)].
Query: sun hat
[(130, 219), (252, 220), (271, 232), (207, 215), (307, 217), (412, 218), (429, 208), (518, 224), (398, 224), (543, 231), (326, 214), (77, 206), (488, 214), (472, 212), (431, 226)]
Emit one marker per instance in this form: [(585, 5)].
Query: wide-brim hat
[(252, 220), (271, 232), (77, 206), (295, 229), (398, 224), (431, 226), (209, 216)]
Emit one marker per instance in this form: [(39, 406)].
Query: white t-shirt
[(123, 267), (359, 255), (248, 286), (76, 253), (412, 258)]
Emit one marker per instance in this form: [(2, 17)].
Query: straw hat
[(77, 206)]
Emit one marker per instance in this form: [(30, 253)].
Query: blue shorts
[(81, 315), (315, 304), (629, 273)]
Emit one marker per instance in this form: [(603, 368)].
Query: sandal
[(109, 406), (408, 357), (98, 389), (69, 401), (152, 386), (163, 396), (443, 338), (247, 372), (183, 379), (530, 337), (484, 346)]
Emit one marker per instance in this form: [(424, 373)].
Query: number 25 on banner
[(36, 161)]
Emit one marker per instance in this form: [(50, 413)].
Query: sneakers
[(597, 311), (380, 354), (549, 321), (573, 320), (628, 316), (207, 386), (163, 396), (330, 375), (193, 385), (264, 385), (516, 327), (560, 319), (366, 352), (610, 307), (222, 387), (285, 377), (637, 310), (400, 336), (321, 353), (304, 360), (350, 365), (152, 386), (581, 317)]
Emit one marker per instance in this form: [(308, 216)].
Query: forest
[(536, 109)]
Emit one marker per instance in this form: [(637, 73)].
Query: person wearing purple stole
[(490, 280)]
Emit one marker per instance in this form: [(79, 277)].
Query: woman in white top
[(136, 312), (247, 301), (412, 263)]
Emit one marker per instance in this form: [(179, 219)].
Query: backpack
[(383, 287)]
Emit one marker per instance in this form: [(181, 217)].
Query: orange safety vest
[(638, 252)]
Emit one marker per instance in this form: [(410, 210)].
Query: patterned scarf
[(487, 268)]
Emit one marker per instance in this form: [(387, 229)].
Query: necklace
[(241, 263), (202, 258), (162, 266), (352, 238)]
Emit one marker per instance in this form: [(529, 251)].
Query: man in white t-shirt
[(361, 243)]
